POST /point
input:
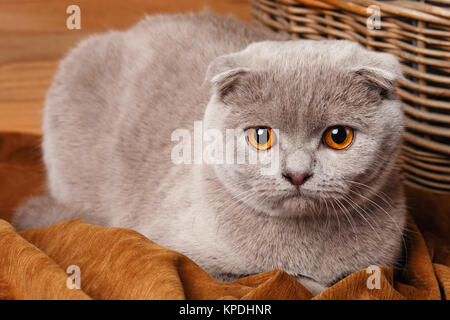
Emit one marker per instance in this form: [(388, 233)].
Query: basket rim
[(412, 10)]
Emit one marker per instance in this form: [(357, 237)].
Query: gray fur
[(117, 98)]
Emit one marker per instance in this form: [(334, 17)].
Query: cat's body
[(118, 97)]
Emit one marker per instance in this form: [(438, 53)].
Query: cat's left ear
[(381, 74), (225, 75)]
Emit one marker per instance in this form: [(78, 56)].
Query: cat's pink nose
[(297, 179)]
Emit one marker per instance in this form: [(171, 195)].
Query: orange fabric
[(118, 263)]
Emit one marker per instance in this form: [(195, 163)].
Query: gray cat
[(334, 205)]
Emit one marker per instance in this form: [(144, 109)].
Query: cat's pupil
[(339, 134), (262, 136)]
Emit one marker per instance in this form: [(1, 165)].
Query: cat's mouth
[(302, 193), (299, 193)]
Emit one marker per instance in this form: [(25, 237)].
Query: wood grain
[(34, 36)]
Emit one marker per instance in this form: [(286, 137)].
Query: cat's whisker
[(229, 202), (220, 188), (213, 200), (240, 198), (378, 206), (337, 217), (400, 230), (352, 204), (247, 194), (380, 194), (233, 198), (327, 209), (346, 212)]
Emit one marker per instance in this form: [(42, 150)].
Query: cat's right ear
[(225, 75)]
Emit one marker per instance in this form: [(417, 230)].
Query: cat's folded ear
[(225, 75), (380, 74)]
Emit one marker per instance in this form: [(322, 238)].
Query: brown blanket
[(122, 264)]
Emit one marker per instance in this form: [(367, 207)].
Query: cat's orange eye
[(261, 138), (338, 137)]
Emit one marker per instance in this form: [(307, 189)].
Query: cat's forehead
[(309, 97), (298, 53)]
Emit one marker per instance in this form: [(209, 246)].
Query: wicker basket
[(418, 33)]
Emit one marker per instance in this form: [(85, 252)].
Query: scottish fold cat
[(333, 204)]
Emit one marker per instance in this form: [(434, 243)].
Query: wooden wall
[(34, 36)]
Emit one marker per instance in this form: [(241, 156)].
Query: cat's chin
[(299, 203), (293, 205)]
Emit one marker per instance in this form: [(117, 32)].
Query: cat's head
[(328, 108)]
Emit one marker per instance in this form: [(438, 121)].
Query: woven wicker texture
[(418, 33)]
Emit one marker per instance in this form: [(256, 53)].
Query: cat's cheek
[(337, 165)]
